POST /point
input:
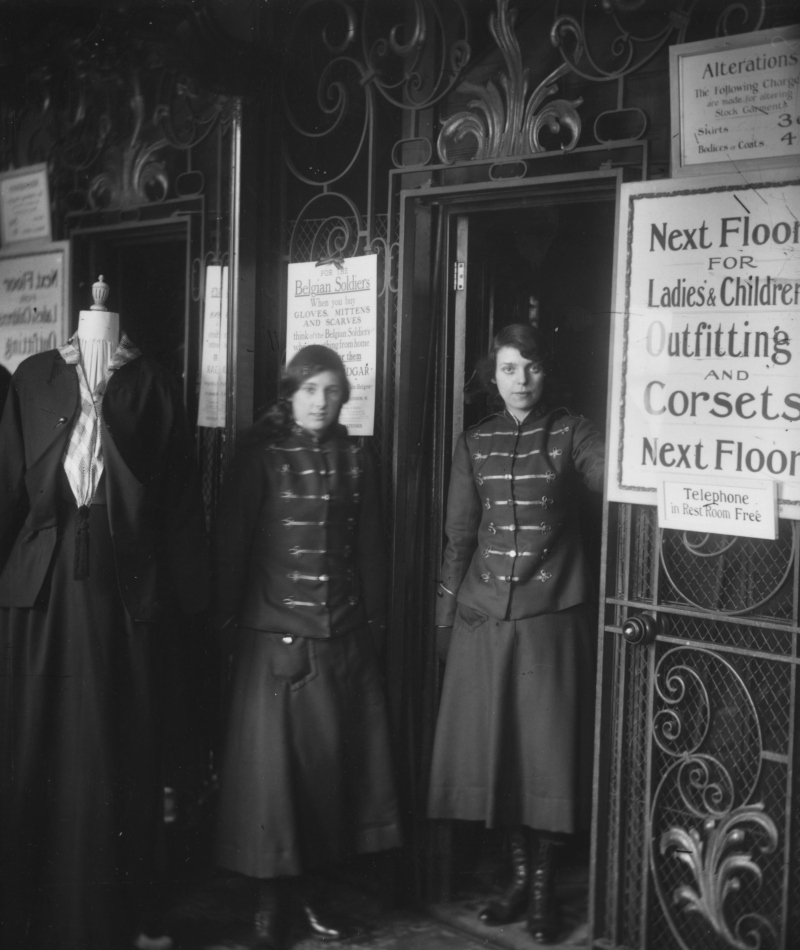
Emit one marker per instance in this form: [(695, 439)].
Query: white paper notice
[(25, 205), (214, 369), (336, 307), (719, 506), (705, 377), (33, 295), (740, 103)]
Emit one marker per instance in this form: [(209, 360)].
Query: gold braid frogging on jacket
[(513, 541)]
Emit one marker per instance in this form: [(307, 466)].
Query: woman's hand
[(443, 635)]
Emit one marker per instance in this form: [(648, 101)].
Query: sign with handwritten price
[(734, 100)]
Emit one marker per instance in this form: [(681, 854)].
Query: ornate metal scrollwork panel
[(110, 112), (713, 846), (727, 574), (501, 117)]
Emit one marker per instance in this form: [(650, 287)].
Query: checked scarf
[(83, 459)]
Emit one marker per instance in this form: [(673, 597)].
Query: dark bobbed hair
[(311, 361), (276, 421), (531, 345)]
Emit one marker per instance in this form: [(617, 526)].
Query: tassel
[(81, 571)]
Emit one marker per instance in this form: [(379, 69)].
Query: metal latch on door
[(641, 629)]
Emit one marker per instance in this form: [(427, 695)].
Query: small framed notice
[(25, 205), (734, 100), (708, 505)]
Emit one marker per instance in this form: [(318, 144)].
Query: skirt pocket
[(292, 659), (470, 618)]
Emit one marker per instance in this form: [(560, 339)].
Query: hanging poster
[(706, 338), (734, 100), (34, 295), (214, 365), (25, 205), (336, 305)]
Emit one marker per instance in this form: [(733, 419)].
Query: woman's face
[(519, 381), (316, 404)]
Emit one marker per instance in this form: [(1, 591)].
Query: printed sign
[(705, 378), (25, 205), (723, 506), (214, 366), (34, 293), (336, 306), (734, 99)]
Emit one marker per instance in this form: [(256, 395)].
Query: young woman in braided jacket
[(307, 778), (515, 621)]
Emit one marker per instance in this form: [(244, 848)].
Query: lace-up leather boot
[(271, 920), (511, 904), (322, 921), (544, 917)]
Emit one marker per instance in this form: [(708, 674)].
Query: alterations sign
[(335, 305), (735, 99), (706, 366)]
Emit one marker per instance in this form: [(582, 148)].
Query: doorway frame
[(185, 225), (420, 464)]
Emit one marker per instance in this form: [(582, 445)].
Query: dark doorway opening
[(550, 266), (547, 262), (147, 267)]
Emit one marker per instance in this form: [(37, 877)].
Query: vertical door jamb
[(611, 668), (460, 326)]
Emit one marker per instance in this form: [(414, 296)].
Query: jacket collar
[(311, 438), (538, 412), (124, 353)]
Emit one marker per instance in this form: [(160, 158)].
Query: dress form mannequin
[(98, 334), (89, 576)]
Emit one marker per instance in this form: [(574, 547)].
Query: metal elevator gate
[(695, 840)]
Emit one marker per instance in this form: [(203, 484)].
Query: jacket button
[(287, 639)]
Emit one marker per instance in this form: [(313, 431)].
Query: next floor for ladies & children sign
[(706, 340)]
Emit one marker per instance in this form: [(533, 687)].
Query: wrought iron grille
[(702, 790)]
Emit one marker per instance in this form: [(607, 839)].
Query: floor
[(572, 889), (217, 917)]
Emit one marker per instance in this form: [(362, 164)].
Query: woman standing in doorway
[(513, 741), (307, 780)]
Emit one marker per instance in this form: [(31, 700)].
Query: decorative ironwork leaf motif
[(718, 866), (710, 839), (503, 123)]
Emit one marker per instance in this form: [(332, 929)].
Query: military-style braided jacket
[(300, 549), (513, 541)]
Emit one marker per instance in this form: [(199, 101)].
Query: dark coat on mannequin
[(154, 505), (82, 657)]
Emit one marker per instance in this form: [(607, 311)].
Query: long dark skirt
[(307, 777), (79, 776), (515, 729)]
